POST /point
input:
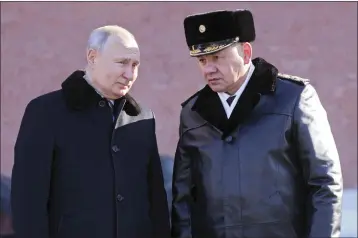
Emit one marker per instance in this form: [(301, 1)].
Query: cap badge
[(202, 28)]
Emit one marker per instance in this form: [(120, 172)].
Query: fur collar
[(79, 95), (208, 104)]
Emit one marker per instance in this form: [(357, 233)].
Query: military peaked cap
[(210, 32)]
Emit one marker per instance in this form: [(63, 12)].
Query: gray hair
[(99, 36), (239, 47)]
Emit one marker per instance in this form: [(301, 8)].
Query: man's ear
[(247, 50), (92, 57)]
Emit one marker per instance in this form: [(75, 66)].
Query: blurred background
[(43, 42)]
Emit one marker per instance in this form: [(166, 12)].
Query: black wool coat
[(77, 174)]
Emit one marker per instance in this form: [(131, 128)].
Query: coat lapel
[(209, 106), (129, 114)]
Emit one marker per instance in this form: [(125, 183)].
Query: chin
[(217, 88), (120, 93)]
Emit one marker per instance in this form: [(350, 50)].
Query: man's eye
[(123, 61)]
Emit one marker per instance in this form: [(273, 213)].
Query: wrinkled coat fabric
[(271, 170)]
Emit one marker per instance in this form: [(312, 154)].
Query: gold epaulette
[(294, 79)]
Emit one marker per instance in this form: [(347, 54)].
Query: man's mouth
[(214, 79), (123, 85)]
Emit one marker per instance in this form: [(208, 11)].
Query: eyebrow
[(126, 59)]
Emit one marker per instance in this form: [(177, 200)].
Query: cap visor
[(210, 48)]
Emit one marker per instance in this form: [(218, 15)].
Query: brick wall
[(41, 43)]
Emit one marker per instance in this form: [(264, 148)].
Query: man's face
[(222, 70), (115, 68)]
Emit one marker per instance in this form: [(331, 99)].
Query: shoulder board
[(191, 97), (294, 79)]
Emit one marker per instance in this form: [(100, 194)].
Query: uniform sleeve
[(31, 173), (321, 165), (181, 191), (158, 198)]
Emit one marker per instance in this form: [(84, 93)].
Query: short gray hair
[(99, 36), (239, 47)]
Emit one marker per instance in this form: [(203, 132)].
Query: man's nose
[(209, 68), (128, 73)]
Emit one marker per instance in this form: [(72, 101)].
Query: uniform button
[(102, 103), (229, 139), (115, 148), (120, 198)]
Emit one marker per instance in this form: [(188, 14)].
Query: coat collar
[(79, 95), (209, 107)]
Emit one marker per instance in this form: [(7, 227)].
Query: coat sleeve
[(181, 191), (159, 211), (321, 165), (31, 173)]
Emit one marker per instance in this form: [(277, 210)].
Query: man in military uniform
[(256, 156)]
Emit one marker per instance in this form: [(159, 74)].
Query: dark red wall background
[(41, 43)]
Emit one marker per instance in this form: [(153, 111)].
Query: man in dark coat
[(86, 157), (256, 156)]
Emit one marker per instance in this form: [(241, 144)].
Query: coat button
[(229, 139), (120, 198), (102, 103), (115, 148)]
